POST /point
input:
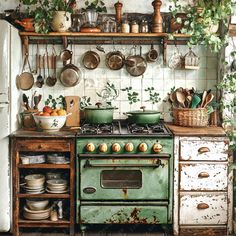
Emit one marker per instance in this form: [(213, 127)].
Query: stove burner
[(157, 128), (135, 128), (97, 128)]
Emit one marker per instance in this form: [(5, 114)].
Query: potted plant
[(43, 12), (202, 20)]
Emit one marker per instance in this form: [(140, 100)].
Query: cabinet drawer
[(200, 208), (43, 145), (203, 150), (203, 176)]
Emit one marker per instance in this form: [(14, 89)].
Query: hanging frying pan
[(115, 60), (25, 80), (91, 60), (136, 65)]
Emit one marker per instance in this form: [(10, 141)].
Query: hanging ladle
[(39, 79)]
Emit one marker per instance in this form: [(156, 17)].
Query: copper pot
[(27, 23), (115, 60), (91, 60)]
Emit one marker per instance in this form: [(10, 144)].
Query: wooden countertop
[(201, 131), (40, 134)]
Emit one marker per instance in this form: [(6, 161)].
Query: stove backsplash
[(162, 78)]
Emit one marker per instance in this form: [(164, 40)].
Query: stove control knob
[(115, 147), (142, 147), (129, 147), (90, 147), (103, 147), (157, 147)]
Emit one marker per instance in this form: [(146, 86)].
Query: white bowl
[(34, 180), (37, 204), (50, 123)]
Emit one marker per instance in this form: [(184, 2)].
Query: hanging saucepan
[(70, 75), (136, 65), (91, 60), (152, 54), (99, 114), (115, 60), (25, 80), (143, 116)]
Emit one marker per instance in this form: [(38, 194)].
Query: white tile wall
[(159, 76)]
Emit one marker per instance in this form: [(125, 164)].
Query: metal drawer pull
[(203, 150), (203, 175), (203, 206), (155, 165)]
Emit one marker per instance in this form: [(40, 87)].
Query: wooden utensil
[(180, 98), (203, 98), (209, 99)]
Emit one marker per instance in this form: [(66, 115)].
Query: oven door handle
[(154, 165)]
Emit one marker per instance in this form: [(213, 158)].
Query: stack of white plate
[(35, 159), (34, 184), (57, 186), (57, 158), (36, 214)]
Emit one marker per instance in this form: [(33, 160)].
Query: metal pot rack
[(103, 39)]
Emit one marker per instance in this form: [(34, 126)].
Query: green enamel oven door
[(124, 178)]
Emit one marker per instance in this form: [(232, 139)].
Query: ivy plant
[(96, 5), (201, 18), (228, 85)]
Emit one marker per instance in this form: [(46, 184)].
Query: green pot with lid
[(143, 116), (99, 114)]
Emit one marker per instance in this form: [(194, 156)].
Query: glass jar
[(125, 28), (134, 27), (144, 26)]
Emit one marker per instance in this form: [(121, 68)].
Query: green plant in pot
[(43, 12), (202, 20)]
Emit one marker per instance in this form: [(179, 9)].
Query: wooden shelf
[(44, 166), (43, 223), (78, 34), (44, 195)]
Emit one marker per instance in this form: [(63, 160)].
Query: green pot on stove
[(143, 116), (99, 114)]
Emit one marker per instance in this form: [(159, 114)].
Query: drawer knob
[(202, 206), (203, 175), (203, 150), (39, 146)]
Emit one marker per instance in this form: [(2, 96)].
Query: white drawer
[(203, 150), (202, 176), (200, 208)]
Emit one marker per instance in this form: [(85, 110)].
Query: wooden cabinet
[(31, 144), (202, 186)]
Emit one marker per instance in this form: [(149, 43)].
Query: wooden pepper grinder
[(157, 20), (118, 7)]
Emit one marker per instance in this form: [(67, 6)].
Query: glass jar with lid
[(134, 27), (144, 26), (125, 27)]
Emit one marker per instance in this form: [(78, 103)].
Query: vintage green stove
[(124, 174)]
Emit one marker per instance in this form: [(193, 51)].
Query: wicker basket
[(191, 117)]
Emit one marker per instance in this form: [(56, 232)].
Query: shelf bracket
[(25, 40), (164, 51), (65, 41)]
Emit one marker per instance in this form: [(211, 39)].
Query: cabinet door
[(201, 150), (203, 208), (202, 176)]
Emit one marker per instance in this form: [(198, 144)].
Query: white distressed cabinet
[(202, 186)]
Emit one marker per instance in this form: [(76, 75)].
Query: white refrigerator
[(10, 63)]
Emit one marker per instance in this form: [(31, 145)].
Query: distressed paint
[(154, 180), (221, 202), (190, 178), (215, 214), (123, 214), (189, 150)]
